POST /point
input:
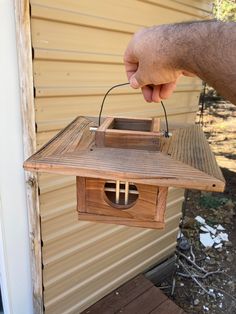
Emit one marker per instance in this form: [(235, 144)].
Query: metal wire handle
[(123, 84), (104, 98)]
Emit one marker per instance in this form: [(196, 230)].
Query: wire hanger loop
[(123, 84)]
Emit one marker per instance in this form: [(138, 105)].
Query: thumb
[(136, 81)]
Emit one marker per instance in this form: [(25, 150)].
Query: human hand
[(151, 63)]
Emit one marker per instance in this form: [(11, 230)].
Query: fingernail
[(134, 83)]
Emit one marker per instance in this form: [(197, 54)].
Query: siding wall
[(78, 48)]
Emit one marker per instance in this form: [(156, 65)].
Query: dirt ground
[(205, 278)]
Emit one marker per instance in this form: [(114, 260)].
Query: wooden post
[(117, 192), (126, 192), (24, 48)]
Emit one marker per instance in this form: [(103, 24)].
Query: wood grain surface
[(147, 211), (184, 159), (137, 296), (130, 133)]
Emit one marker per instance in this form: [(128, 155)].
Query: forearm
[(157, 56), (208, 50)]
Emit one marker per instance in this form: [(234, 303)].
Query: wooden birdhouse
[(125, 166)]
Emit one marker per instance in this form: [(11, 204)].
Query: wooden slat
[(190, 146), (128, 137), (156, 125), (122, 221), (137, 296), (149, 167), (146, 302), (70, 153), (121, 297), (161, 203), (81, 192)]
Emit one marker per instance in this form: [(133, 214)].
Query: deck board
[(137, 296)]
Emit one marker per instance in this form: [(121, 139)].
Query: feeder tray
[(125, 166)]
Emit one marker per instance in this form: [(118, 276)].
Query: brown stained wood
[(131, 140), (132, 124), (153, 168), (122, 296), (137, 296), (121, 221), (156, 125), (144, 208), (161, 203), (147, 211), (100, 133), (24, 49), (130, 133), (190, 146), (146, 302), (81, 193), (69, 139), (179, 165)]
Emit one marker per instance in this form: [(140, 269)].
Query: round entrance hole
[(119, 194)]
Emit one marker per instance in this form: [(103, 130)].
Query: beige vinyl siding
[(86, 260), (78, 48)]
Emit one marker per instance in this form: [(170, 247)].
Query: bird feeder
[(125, 166)]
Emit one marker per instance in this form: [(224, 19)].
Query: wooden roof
[(185, 159)]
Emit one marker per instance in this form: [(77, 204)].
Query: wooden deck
[(138, 296)]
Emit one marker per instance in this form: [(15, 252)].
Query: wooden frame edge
[(24, 50), (127, 222)]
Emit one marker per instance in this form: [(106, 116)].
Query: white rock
[(224, 236), (220, 228), (217, 239), (206, 239), (209, 228), (205, 308), (179, 235), (204, 229), (200, 219), (196, 302)]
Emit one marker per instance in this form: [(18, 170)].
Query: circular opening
[(120, 195)]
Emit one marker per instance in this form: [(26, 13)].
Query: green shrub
[(225, 10)]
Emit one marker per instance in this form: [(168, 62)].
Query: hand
[(151, 63)]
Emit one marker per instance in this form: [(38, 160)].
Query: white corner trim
[(14, 235), (4, 284)]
